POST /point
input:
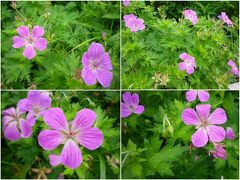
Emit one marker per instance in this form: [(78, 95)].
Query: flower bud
[(230, 133)]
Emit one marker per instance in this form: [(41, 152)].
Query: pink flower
[(69, 134), (219, 152), (202, 95), (14, 125), (126, 2), (205, 124), (130, 105), (230, 133), (225, 19), (135, 24), (36, 104), (189, 63), (31, 41), (234, 69), (191, 15), (97, 66)]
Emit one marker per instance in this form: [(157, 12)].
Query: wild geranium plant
[(49, 145), (206, 31)]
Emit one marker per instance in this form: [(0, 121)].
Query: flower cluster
[(135, 24), (191, 16), (223, 16), (207, 124), (18, 122)]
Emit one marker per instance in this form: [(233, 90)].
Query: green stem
[(102, 167)]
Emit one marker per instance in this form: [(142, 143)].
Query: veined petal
[(85, 60), (190, 69), (29, 52), (71, 155), (84, 119), (11, 132), (125, 111), (191, 95), (56, 119), (88, 76), (50, 139), (23, 105), (9, 112), (200, 138), (139, 109), (218, 116), (106, 62), (31, 119), (127, 98), (37, 31), (91, 138), (216, 133), (39, 99), (104, 77), (54, 159), (203, 96), (190, 117), (25, 129), (95, 50), (23, 31), (203, 111), (135, 99), (40, 44), (18, 42)]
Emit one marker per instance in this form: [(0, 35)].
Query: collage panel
[(60, 135), (180, 134), (180, 45), (60, 45)]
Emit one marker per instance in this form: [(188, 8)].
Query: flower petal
[(203, 111), (25, 129), (31, 119), (56, 119), (95, 50), (203, 96), (215, 133), (18, 42), (125, 111), (54, 159), (106, 62), (88, 76), (189, 69), (191, 95), (91, 138), (190, 117), (37, 31), (71, 155), (50, 139), (23, 31), (182, 66), (84, 119), (40, 44), (127, 98), (11, 132), (139, 109), (85, 60), (9, 112), (23, 105), (39, 98), (29, 52), (200, 138), (218, 116), (104, 77), (135, 99)]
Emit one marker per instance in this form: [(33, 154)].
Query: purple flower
[(61, 131), (97, 66), (225, 19), (234, 69), (230, 133), (189, 63), (14, 125), (205, 124), (202, 95), (126, 2), (130, 105), (191, 15), (135, 24), (219, 151), (31, 41), (36, 104)]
